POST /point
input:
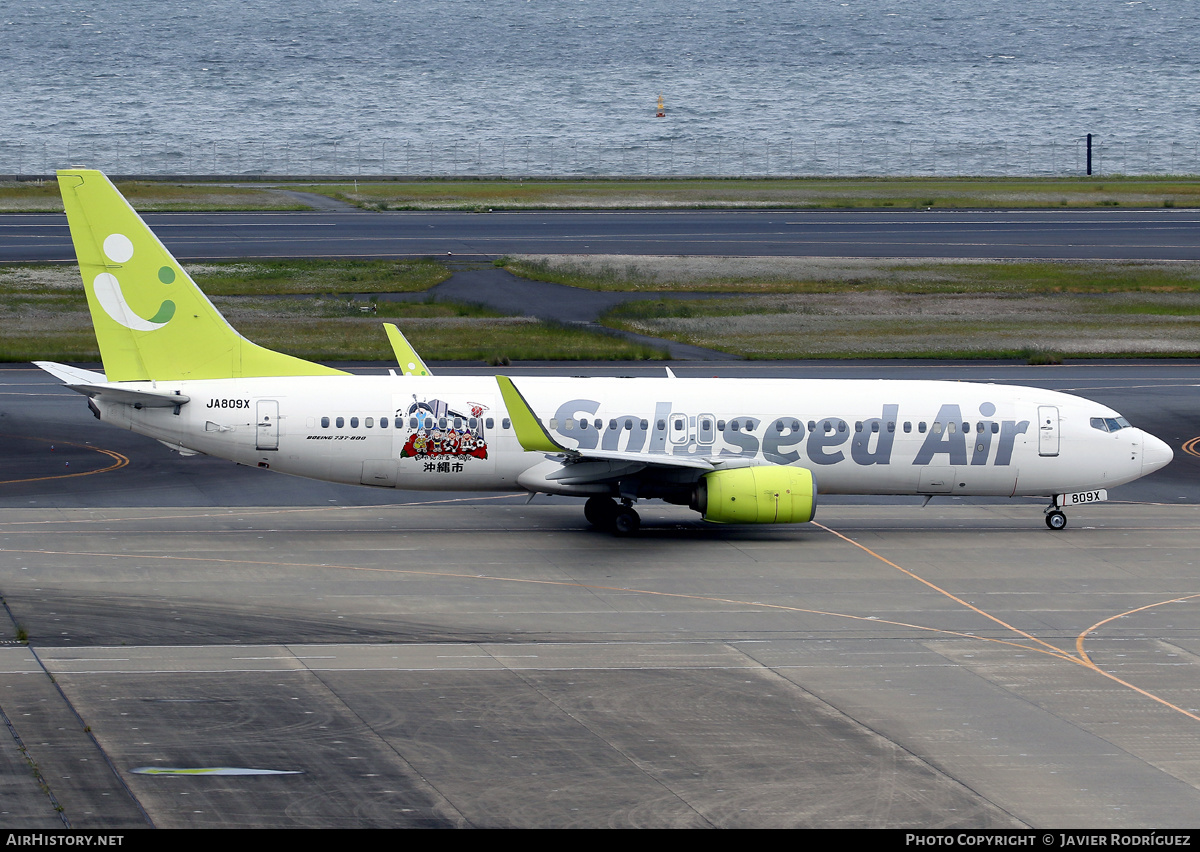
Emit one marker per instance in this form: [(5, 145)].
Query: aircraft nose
[(1155, 454)]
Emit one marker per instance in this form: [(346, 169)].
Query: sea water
[(572, 86)]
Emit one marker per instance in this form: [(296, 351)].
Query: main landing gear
[(605, 513), (1056, 519)]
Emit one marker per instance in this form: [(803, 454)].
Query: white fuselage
[(858, 437)]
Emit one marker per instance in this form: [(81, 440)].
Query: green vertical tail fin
[(150, 318)]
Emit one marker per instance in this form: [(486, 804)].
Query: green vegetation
[(281, 277), (1054, 311), (813, 193), (44, 316), (42, 196), (442, 339), (1038, 330), (759, 308), (838, 275), (544, 193)]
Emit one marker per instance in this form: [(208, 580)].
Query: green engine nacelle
[(757, 495)]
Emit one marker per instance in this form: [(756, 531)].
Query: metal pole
[(1089, 153)]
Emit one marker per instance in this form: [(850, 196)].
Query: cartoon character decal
[(436, 431)]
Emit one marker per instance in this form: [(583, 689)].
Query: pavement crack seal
[(33, 767), (1040, 645), (37, 773)]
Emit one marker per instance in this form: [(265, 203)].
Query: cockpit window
[(1109, 424)]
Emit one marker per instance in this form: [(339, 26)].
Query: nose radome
[(1155, 454)]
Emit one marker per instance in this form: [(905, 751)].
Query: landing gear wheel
[(1056, 520), (600, 512), (626, 521)]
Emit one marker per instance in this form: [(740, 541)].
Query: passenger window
[(612, 425), (583, 424), (907, 426), (369, 422), (505, 423), (628, 425), (812, 425), (733, 425), (795, 425), (875, 426), (340, 422), (891, 425), (553, 422), (841, 425), (857, 425), (324, 422), (353, 422), (383, 422), (720, 425), (644, 425)]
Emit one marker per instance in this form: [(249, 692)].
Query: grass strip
[(150, 196), (495, 193), (44, 316), (805, 193), (282, 277), (633, 273)]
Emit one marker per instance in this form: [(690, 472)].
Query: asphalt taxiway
[(211, 645), (1148, 234)]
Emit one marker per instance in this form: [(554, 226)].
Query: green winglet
[(530, 432), (150, 318), (408, 359)]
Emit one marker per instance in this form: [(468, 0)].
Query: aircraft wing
[(590, 465)]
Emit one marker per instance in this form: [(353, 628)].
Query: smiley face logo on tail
[(119, 249)]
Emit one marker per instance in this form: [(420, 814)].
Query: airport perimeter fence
[(879, 156)]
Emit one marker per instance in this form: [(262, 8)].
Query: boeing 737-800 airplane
[(737, 451)]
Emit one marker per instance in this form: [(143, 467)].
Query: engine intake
[(757, 495)]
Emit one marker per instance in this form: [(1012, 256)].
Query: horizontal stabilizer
[(71, 375), (96, 386), (136, 397)]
